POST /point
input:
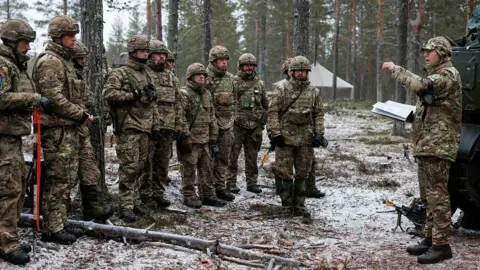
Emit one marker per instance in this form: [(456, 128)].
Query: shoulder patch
[(435, 76)]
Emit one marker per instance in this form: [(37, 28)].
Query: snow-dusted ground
[(362, 166)]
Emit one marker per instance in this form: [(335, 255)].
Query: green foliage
[(116, 42), (52, 8), (17, 8)]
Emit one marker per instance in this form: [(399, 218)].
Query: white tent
[(323, 79)]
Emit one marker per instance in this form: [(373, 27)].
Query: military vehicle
[(119, 60)]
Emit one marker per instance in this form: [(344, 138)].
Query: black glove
[(150, 92), (278, 141), (156, 134), (137, 95), (214, 147), (319, 140), (180, 136)]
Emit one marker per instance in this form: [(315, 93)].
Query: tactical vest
[(250, 110), (73, 89), (200, 129), (17, 123), (297, 122), (222, 90), (166, 97)]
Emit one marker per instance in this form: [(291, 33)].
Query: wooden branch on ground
[(257, 246), (186, 241), (170, 246), (243, 262)]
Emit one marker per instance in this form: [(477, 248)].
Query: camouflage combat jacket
[(222, 89), (15, 95), (436, 127), (302, 119), (55, 78), (169, 105), (129, 113), (252, 103), (200, 113)]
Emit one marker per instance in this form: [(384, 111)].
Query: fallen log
[(257, 246), (181, 240), (240, 261)]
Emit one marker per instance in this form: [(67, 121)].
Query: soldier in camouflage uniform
[(295, 125), (62, 125), (221, 87), (17, 98), (170, 60), (249, 124), (436, 136), (88, 172), (132, 98), (155, 176), (197, 148)]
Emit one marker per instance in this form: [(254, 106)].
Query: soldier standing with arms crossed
[(436, 136)]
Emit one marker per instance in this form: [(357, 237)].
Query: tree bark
[(172, 37), (402, 36), (92, 36), (354, 51), (65, 7), (8, 9), (300, 28), (207, 34), (379, 50), (335, 49), (149, 19), (415, 25), (262, 57), (158, 25), (470, 8)]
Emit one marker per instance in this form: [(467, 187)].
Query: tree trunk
[(335, 49), (416, 26), (349, 46), (354, 51), (262, 63), (8, 10), (92, 36), (300, 28), (207, 34), (65, 7), (149, 19), (402, 35), (172, 37), (379, 50), (159, 28), (470, 7)]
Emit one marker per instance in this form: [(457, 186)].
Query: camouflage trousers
[(61, 158), (251, 147), (292, 192), (155, 175), (221, 160), (12, 191), (198, 162), (88, 172), (310, 182), (132, 152), (434, 173)]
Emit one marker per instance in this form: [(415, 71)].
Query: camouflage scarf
[(216, 71), (299, 84), (135, 63), (198, 88), (444, 63), (155, 66), (245, 76), (64, 52), (19, 59)]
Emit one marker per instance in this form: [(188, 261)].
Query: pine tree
[(13, 9)]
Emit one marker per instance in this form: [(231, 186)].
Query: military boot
[(128, 215), (299, 195), (77, 232), (62, 237), (254, 189), (26, 247), (213, 201), (225, 195), (315, 193), (234, 189), (161, 202), (435, 254), (421, 247), (285, 192), (192, 203), (141, 209), (93, 206), (278, 185), (17, 257)]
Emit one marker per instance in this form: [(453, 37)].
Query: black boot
[(77, 232), (26, 247), (192, 203), (254, 189), (93, 205), (17, 256), (234, 189), (315, 193), (213, 201), (162, 202), (141, 209), (225, 195), (286, 192), (128, 215), (421, 247), (435, 254), (62, 237)]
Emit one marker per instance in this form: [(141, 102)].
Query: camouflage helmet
[(195, 68), (218, 52), (170, 56), (285, 65), (246, 59), (299, 63), (157, 46), (62, 25), (80, 49), (16, 29), (138, 42), (439, 44)]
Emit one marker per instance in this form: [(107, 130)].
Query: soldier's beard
[(155, 65)]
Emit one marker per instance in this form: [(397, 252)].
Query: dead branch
[(257, 246), (240, 261)]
